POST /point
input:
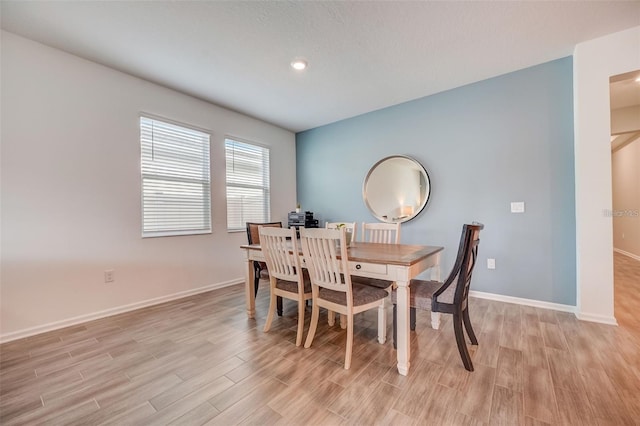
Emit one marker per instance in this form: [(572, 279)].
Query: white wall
[(70, 180), (625, 120), (625, 167), (594, 62)]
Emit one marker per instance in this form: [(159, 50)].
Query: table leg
[(435, 270), (382, 321), (249, 290), (403, 327)]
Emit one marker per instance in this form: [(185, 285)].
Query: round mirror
[(396, 189)]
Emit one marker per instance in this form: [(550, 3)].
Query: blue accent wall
[(484, 145)]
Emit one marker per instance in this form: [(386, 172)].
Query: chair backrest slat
[(460, 275), (280, 250), (325, 254), (468, 263), (386, 233)]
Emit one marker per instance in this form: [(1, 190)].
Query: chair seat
[(362, 295), (420, 294), (292, 287), (374, 282)]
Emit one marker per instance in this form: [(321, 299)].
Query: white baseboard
[(15, 335), (525, 302), (546, 305), (626, 253), (602, 319)]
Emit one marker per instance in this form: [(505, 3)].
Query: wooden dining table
[(393, 262)]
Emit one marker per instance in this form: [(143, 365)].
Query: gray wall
[(484, 145)]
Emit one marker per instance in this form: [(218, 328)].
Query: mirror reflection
[(396, 189)]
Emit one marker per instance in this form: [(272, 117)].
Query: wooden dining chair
[(353, 228), (450, 297), (286, 277), (325, 254), (378, 232), (260, 268)]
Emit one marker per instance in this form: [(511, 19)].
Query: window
[(247, 184), (176, 185)]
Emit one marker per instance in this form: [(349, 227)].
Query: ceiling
[(362, 56)]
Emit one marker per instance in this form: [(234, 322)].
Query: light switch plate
[(491, 264), (517, 207)]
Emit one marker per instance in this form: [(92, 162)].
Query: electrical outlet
[(109, 276), (491, 264)]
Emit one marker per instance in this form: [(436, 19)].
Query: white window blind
[(248, 190), (176, 185)]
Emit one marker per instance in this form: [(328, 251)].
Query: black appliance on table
[(296, 220)]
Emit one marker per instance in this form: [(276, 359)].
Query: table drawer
[(368, 268)]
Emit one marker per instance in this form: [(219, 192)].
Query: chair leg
[(272, 308), (300, 322), (435, 320), (331, 318), (395, 326), (279, 305), (347, 357), (315, 313), (412, 319), (382, 322), (467, 326), (256, 280), (462, 344)]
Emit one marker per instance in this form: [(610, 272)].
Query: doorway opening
[(624, 92)]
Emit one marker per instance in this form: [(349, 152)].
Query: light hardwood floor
[(201, 361)]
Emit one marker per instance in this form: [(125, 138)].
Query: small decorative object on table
[(298, 208), (347, 235)]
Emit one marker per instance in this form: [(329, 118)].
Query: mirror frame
[(417, 211)]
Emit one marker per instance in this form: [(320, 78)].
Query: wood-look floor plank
[(299, 407), (419, 387), (553, 336), (263, 416), (507, 407), (440, 407), (199, 415), (510, 370), (574, 408), (249, 403), (564, 371), (539, 398), (607, 406), (477, 401), (488, 349), (178, 408), (137, 414), (534, 354)]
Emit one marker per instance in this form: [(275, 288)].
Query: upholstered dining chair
[(325, 254), (450, 297), (286, 277), (379, 232), (260, 268)]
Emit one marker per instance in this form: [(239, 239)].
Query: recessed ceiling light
[(299, 64)]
